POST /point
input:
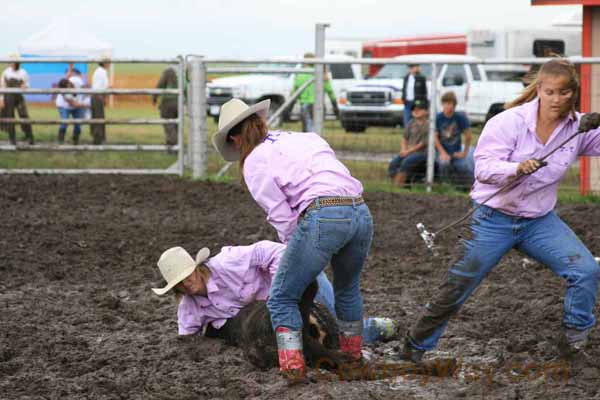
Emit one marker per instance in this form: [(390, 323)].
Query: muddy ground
[(78, 319)]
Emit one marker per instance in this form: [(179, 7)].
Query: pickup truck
[(252, 88), (479, 90)]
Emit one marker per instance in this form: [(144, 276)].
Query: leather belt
[(333, 201)]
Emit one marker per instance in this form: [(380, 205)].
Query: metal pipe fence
[(177, 168), (436, 87)]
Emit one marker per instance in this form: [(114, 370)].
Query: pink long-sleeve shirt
[(239, 276), (510, 138), (286, 172)]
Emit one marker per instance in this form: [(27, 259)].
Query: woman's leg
[(491, 237), (308, 252), (551, 242), (347, 265)]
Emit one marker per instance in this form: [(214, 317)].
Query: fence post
[(432, 115), (319, 106), (198, 117), (180, 114)]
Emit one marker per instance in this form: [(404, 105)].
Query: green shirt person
[(307, 97)]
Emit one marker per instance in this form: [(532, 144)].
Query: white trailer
[(524, 43)]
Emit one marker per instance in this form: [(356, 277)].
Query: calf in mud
[(251, 330)]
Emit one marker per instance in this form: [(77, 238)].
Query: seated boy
[(413, 145), (455, 161)]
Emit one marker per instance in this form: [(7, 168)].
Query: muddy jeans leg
[(550, 241), (491, 237), (320, 234), (23, 114)]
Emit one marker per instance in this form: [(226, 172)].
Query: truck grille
[(368, 98), (218, 93)]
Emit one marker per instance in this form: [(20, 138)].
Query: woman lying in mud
[(510, 146), (212, 290)]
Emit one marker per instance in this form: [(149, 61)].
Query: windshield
[(276, 66), (506, 76), (399, 71)]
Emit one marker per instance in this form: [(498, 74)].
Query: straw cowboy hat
[(232, 113), (176, 264)]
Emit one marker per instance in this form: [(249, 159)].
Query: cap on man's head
[(423, 104)]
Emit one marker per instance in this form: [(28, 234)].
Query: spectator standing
[(414, 87), (85, 101), (99, 81), (307, 97), (68, 106), (413, 145), (15, 77), (455, 158), (168, 103)]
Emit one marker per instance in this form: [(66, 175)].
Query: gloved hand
[(530, 166), (589, 121)]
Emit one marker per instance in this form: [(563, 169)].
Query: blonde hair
[(253, 131), (204, 272), (556, 67)]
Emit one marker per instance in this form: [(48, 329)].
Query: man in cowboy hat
[(15, 77)]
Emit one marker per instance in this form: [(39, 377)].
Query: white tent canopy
[(64, 38)]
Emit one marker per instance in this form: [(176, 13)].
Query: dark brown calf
[(251, 330)]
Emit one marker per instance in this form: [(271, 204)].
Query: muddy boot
[(291, 357), (409, 353), (351, 339), (572, 342)]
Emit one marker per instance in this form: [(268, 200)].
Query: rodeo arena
[(412, 217)]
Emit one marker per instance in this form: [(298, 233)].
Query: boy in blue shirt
[(455, 161)]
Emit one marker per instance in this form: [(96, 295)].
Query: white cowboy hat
[(232, 113), (176, 264)]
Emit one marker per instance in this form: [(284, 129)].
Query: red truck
[(433, 44)]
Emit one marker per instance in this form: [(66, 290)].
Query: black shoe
[(409, 353)]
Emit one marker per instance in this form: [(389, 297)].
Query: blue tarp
[(47, 75)]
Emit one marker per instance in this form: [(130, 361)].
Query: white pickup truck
[(478, 88), (252, 88)]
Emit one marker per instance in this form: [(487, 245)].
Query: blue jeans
[(65, 113), (407, 116), (406, 164), (306, 115), (546, 239), (461, 168), (341, 235)]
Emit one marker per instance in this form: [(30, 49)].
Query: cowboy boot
[(289, 350), (351, 338)]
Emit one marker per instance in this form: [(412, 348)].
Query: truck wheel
[(494, 110), (353, 127)]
